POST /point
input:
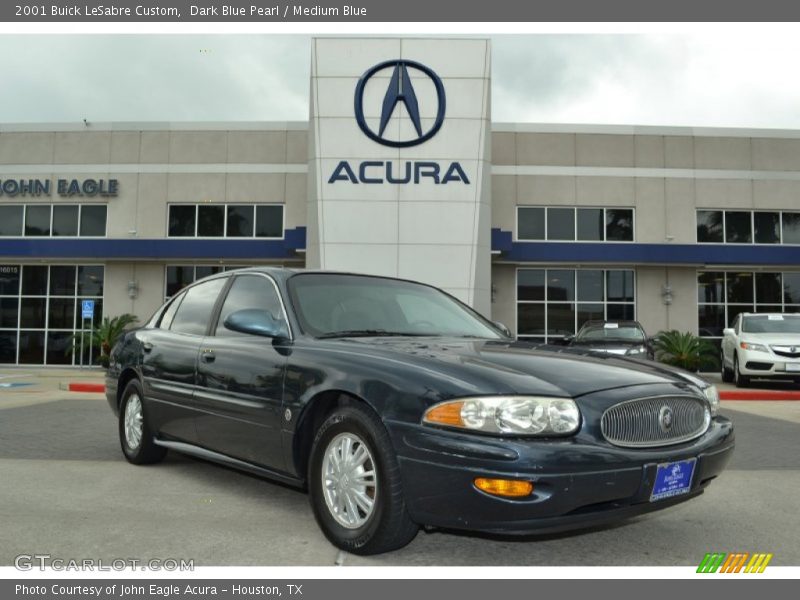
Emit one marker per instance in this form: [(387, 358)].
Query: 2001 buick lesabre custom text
[(398, 406)]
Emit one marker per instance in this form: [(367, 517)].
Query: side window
[(249, 291), (736, 322), (195, 310), (169, 314)]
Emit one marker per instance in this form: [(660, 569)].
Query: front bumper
[(577, 483), (753, 363)]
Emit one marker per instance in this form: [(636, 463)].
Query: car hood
[(787, 339), (518, 367)]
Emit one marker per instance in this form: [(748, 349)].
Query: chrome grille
[(788, 351), (643, 422)]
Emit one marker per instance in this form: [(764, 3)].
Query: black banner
[(464, 11), (383, 589)]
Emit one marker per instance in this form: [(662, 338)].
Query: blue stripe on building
[(170, 248), (633, 253)]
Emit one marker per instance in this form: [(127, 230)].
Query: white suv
[(761, 345)]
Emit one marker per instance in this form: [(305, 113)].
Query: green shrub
[(104, 337), (685, 350)]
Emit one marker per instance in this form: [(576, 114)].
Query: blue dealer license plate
[(673, 479)]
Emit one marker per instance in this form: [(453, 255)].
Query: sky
[(682, 79)]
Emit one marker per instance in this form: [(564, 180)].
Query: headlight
[(509, 415), (637, 350), (754, 347), (712, 395)]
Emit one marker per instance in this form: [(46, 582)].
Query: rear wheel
[(739, 379), (354, 484), (727, 374), (135, 436)]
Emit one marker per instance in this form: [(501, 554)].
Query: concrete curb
[(95, 388), (748, 395), (758, 395)]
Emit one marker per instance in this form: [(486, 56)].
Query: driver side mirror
[(256, 322), (728, 331)]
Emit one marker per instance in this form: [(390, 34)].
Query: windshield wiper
[(368, 333)]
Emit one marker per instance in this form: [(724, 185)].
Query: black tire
[(388, 525), (739, 379), (145, 452), (727, 374)]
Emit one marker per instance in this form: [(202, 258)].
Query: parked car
[(614, 337), (762, 345), (397, 406)]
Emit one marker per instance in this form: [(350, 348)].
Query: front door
[(240, 381)]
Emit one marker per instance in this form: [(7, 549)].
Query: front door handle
[(147, 346), (208, 355)]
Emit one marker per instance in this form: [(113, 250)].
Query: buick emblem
[(400, 90), (665, 418)]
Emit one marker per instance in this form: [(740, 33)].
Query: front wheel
[(739, 379), (727, 374), (354, 484), (135, 436)]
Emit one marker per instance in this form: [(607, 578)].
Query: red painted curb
[(758, 395), (87, 387)]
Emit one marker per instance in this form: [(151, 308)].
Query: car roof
[(284, 273), (775, 314), (621, 323)]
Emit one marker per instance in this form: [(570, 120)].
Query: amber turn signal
[(510, 488), (448, 413)]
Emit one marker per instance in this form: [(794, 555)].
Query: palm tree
[(105, 336), (685, 350)]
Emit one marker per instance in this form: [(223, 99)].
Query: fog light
[(509, 488)]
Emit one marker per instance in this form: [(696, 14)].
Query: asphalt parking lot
[(65, 490)]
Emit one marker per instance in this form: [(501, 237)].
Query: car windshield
[(334, 305), (610, 332), (771, 324)]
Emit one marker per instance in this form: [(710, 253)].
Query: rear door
[(240, 380), (169, 361)]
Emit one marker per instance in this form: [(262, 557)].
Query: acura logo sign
[(400, 90)]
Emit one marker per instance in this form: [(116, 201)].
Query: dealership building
[(399, 171)]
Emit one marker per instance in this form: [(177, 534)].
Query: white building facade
[(399, 171)]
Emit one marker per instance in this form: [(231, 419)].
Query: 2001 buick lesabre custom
[(398, 406)]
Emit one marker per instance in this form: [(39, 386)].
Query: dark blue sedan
[(398, 406)]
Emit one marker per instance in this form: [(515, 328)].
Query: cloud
[(699, 80), (154, 78)]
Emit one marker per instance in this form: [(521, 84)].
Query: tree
[(685, 350), (105, 336)]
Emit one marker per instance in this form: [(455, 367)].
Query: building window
[(748, 227), (226, 220), (179, 276), (721, 295), (40, 313), (552, 303), (53, 220), (537, 223)]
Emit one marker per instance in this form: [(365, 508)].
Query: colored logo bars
[(735, 562)]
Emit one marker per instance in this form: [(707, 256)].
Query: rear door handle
[(147, 346), (208, 355)]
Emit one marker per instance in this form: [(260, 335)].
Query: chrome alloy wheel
[(133, 421), (349, 480)]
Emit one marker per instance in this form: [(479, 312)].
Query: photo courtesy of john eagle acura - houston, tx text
[(363, 305)]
